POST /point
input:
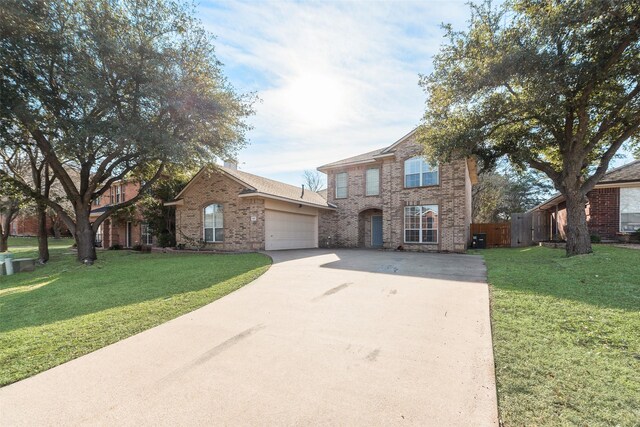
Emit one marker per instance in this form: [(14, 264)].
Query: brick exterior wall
[(240, 232), (603, 214), (114, 231), (349, 225)]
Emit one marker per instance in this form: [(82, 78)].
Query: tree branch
[(129, 202)]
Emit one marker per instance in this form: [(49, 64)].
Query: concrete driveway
[(346, 337)]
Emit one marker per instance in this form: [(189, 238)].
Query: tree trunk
[(578, 237), (4, 229), (85, 237), (57, 232), (43, 234)]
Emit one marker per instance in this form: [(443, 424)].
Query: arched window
[(418, 173), (213, 223)]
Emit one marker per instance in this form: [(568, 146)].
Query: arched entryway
[(370, 228)]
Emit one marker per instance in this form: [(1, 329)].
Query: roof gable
[(260, 186), (371, 156)]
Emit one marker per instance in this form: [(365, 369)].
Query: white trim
[(346, 185), (214, 228), (284, 199), (423, 163), (175, 203), (620, 209), (342, 165), (559, 198), (128, 228), (404, 226), (366, 181)]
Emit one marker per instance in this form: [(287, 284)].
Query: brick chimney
[(231, 164)]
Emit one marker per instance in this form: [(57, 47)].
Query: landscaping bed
[(565, 331), (65, 309)]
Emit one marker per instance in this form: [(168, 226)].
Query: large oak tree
[(110, 89), (554, 85)]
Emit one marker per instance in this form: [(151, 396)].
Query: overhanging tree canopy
[(113, 89), (554, 85)]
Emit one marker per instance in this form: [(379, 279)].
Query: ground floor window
[(629, 209), (146, 238), (421, 224), (213, 223), (98, 237)]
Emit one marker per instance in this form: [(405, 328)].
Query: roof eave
[(286, 199), (342, 165)]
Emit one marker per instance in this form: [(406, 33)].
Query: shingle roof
[(625, 173), (276, 188), (370, 156), (266, 187)]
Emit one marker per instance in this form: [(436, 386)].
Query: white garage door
[(285, 230)]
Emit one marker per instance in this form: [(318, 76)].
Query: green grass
[(566, 336), (65, 310)]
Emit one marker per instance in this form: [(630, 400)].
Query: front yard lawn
[(65, 310), (566, 335)]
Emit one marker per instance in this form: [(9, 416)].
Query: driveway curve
[(346, 337)]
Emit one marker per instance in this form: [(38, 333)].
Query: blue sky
[(335, 79)]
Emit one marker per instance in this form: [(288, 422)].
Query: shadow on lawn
[(65, 289), (610, 277)]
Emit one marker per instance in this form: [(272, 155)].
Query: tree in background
[(26, 167), (113, 90), (161, 218), (502, 191), (11, 201), (314, 180), (552, 85)]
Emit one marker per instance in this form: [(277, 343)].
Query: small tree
[(552, 85), (161, 218), (314, 180), (27, 169), (10, 202), (114, 89)]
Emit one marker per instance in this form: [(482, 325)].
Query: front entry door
[(128, 235), (376, 231)]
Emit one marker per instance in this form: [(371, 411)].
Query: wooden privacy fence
[(498, 233)]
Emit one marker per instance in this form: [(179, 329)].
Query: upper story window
[(341, 185), (97, 200), (418, 173), (119, 194), (213, 223), (629, 209), (373, 182)]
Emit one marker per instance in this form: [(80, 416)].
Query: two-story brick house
[(126, 232), (392, 198), (386, 198)]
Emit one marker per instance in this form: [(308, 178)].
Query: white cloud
[(335, 78)]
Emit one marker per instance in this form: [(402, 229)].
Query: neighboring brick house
[(115, 230), (387, 198), (392, 198), (26, 225), (613, 206), (226, 209)]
